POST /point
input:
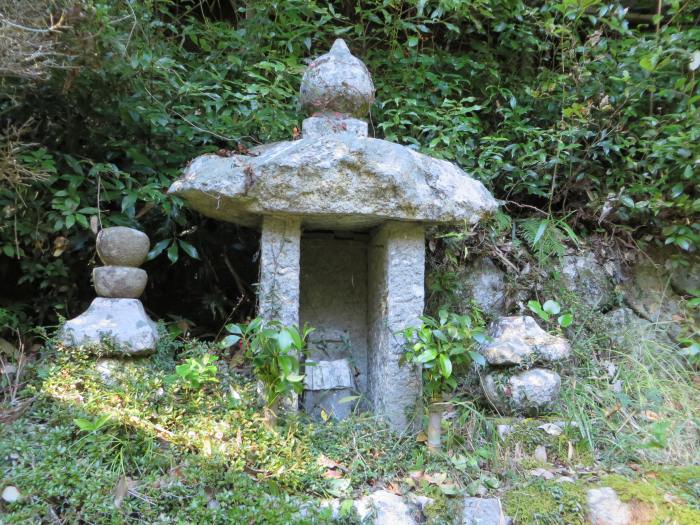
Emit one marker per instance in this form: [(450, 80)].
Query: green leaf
[(173, 253), (284, 339), (158, 249), (427, 355), (478, 358), (565, 320), (295, 378), (445, 366), (188, 249), (540, 231), (230, 340), (551, 307), (647, 63)]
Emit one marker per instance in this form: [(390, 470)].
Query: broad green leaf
[(427, 355), (551, 307), (565, 320), (284, 340), (445, 366)]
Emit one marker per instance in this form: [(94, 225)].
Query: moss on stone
[(547, 502)]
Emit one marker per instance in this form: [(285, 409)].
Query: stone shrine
[(342, 247), (117, 314)]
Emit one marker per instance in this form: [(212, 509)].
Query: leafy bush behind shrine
[(580, 108)]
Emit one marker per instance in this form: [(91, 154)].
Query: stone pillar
[(396, 300), (278, 289)]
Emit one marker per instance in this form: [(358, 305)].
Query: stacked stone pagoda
[(342, 247), (117, 315)]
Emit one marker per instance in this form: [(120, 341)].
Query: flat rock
[(122, 246), (338, 181), (530, 392), (123, 282), (384, 508), (483, 511), (584, 276), (518, 340), (484, 283), (606, 508), (124, 322)]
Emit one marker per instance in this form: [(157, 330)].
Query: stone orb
[(122, 246), (122, 282), (337, 82)]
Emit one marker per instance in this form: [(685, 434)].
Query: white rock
[(482, 511), (519, 340), (10, 494), (605, 508), (586, 278), (504, 430), (530, 392), (484, 283), (124, 321), (541, 454), (552, 429), (385, 507)]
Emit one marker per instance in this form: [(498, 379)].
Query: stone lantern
[(342, 248)]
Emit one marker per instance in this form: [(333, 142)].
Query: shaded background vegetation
[(582, 109)]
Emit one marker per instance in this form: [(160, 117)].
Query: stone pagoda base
[(123, 322)]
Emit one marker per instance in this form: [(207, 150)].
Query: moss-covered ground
[(88, 440)]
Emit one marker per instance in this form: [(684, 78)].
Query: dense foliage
[(580, 108)]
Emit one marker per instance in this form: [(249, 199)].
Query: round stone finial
[(122, 246), (337, 82)]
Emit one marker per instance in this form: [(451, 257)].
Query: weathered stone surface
[(333, 182), (605, 508), (121, 246), (337, 82), (278, 290), (686, 279), (123, 321), (484, 283), (582, 275), (327, 386), (123, 282), (649, 293), (329, 375), (384, 508), (628, 331), (331, 125), (483, 511), (396, 295), (530, 392), (518, 340)]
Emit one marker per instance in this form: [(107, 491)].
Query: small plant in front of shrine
[(275, 352), (195, 371), (443, 346)]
